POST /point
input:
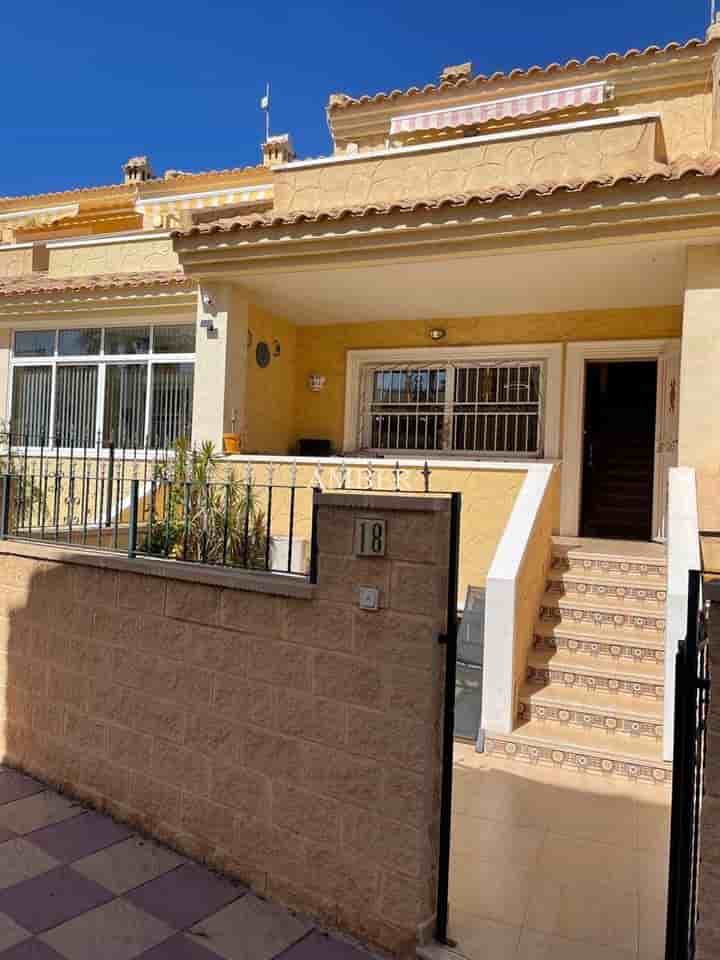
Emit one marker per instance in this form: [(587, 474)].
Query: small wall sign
[(370, 537)]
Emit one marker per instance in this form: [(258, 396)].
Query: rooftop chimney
[(277, 150), (460, 71), (137, 170), (713, 31)]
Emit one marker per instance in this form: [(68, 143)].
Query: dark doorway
[(619, 450)]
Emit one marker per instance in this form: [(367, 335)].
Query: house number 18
[(370, 536)]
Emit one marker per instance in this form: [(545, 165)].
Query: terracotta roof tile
[(340, 101), (41, 284), (131, 188), (707, 166)]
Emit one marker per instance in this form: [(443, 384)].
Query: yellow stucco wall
[(699, 436), (544, 158), (15, 263), (270, 390), (488, 499), (323, 349), (135, 256)]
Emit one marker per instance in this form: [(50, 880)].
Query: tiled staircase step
[(596, 642), (599, 569), (588, 751), (607, 590), (582, 671), (612, 617), (592, 710), (647, 561)]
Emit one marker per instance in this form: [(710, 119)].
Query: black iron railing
[(692, 698), (181, 504)]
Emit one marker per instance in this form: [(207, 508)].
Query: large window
[(491, 408), (131, 386)]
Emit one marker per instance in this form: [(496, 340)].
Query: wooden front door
[(619, 449)]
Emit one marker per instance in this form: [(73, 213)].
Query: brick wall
[(293, 741)]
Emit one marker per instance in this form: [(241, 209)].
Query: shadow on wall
[(51, 664), (290, 741)]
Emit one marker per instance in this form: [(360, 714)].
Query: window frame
[(100, 360), (360, 364)]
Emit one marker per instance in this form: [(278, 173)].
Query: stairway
[(593, 695)]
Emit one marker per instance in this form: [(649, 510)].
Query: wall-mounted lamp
[(276, 348), (316, 382), (208, 302), (437, 333)]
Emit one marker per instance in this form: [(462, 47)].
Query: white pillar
[(4, 376), (221, 361)]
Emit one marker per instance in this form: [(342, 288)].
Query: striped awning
[(507, 107)]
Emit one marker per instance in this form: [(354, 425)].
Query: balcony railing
[(185, 503)]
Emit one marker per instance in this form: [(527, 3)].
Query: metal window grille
[(478, 408)]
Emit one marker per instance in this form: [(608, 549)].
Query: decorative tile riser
[(609, 568), (610, 621), (568, 716), (542, 676), (578, 760), (609, 649), (602, 592)]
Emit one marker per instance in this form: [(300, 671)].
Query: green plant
[(194, 514)]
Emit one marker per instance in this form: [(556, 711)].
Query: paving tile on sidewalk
[(320, 946), (51, 898), (185, 895), (21, 860), (11, 933), (14, 785), (31, 950), (251, 929), (128, 864), (37, 811), (115, 931), (179, 947), (79, 837)]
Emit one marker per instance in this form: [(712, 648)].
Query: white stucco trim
[(218, 192), (549, 353), (683, 555), (98, 240), (501, 600), (574, 413), (459, 142), (66, 208)]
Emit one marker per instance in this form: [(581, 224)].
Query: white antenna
[(265, 105), (713, 9)]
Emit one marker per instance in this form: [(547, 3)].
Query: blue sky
[(89, 83)]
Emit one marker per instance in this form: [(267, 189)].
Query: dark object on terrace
[(314, 447)]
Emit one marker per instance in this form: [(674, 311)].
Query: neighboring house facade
[(514, 277)]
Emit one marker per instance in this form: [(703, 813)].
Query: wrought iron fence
[(692, 699), (179, 504)]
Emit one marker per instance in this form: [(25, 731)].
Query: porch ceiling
[(596, 277)]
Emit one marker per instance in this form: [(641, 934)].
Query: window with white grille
[(482, 408), (131, 386)]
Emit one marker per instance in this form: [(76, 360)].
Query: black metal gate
[(692, 696)]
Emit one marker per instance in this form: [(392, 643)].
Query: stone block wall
[(274, 730)]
